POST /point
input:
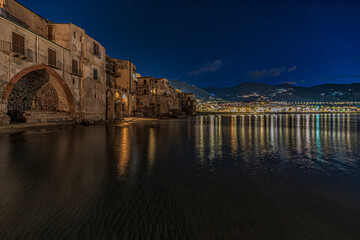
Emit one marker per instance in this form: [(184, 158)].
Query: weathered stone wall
[(86, 105), (25, 17)]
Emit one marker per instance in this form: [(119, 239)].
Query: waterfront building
[(156, 98), (51, 72), (122, 82), (188, 103)]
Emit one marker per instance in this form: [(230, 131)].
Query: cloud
[(257, 74), (293, 68), (209, 67)]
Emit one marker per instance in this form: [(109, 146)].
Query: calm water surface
[(209, 177)]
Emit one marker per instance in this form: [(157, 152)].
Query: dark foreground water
[(229, 177)]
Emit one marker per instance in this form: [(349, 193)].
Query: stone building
[(156, 98), (188, 103), (123, 82), (49, 71), (53, 72)]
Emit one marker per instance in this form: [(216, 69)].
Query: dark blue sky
[(223, 43)]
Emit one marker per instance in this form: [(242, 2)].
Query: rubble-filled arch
[(38, 88)]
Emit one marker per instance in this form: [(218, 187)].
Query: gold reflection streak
[(280, 131), (325, 126), (262, 133), (272, 138), (201, 147), (298, 134), (243, 139), (293, 130), (342, 131), (219, 139), (287, 136), (250, 142), (256, 136), (124, 154), (348, 138), (151, 148), (212, 139), (233, 135), (307, 137)]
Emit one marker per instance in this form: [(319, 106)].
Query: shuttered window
[(95, 74), (96, 50), (50, 33), (75, 69), (18, 42), (51, 57)]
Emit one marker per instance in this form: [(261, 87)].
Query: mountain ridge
[(252, 91)]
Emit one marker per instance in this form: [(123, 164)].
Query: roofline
[(31, 10), (6, 19)]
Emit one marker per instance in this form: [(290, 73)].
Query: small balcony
[(16, 51), (74, 71)]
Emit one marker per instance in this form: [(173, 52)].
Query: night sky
[(223, 43)]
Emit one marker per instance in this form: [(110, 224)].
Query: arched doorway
[(110, 111), (124, 105), (38, 94)]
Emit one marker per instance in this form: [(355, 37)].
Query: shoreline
[(20, 128)]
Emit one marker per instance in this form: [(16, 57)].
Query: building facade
[(156, 98), (121, 81), (50, 72), (53, 72)]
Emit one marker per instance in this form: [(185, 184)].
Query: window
[(145, 91), (18, 42), (95, 74), (51, 57), (155, 81), (145, 81), (50, 33), (113, 68), (73, 80), (74, 67), (74, 34), (96, 49)]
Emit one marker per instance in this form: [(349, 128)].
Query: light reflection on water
[(288, 176), (311, 139)]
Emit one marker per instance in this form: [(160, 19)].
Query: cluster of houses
[(53, 72)]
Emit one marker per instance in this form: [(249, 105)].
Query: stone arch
[(110, 108), (59, 81), (40, 94)]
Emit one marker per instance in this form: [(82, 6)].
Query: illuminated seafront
[(205, 177)]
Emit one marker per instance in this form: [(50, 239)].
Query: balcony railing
[(51, 62), (28, 55), (74, 71), (17, 51), (111, 72)]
